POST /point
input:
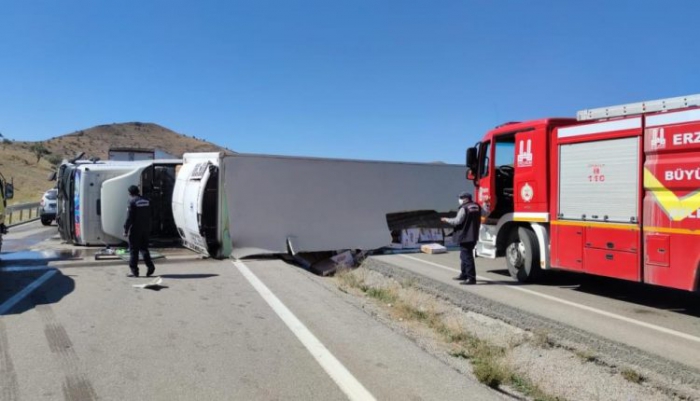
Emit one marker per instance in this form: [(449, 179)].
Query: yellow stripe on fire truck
[(676, 208), (533, 217)]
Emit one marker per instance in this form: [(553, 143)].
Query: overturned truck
[(243, 205), (92, 199)]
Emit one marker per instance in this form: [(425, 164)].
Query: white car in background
[(47, 212)]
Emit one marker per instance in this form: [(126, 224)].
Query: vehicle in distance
[(48, 207)]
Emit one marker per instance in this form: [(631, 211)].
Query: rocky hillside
[(97, 141), (18, 160)]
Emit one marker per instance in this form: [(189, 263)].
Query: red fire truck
[(614, 192)]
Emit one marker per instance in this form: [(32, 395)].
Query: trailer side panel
[(322, 204)]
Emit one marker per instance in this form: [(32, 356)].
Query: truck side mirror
[(471, 158), (470, 175), (9, 191)]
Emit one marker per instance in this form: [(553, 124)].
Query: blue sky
[(383, 80)]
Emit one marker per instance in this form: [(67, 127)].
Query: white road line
[(340, 375), (24, 269), (575, 305), (27, 233), (10, 303)]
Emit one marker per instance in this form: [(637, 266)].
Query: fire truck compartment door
[(599, 180)]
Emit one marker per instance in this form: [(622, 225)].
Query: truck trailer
[(242, 205), (92, 199), (614, 192), (131, 154)]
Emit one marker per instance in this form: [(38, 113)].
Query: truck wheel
[(46, 222), (523, 255)]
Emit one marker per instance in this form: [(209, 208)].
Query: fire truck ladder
[(630, 109)]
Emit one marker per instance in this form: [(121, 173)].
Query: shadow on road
[(21, 291), (26, 280), (116, 261), (156, 287), (187, 276), (669, 299)]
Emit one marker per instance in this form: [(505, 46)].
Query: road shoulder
[(666, 377)]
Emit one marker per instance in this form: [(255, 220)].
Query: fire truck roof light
[(630, 109)]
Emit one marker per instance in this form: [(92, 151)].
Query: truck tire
[(523, 255), (46, 222)]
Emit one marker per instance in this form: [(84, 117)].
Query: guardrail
[(20, 213)]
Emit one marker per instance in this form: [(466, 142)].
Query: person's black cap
[(133, 190), (465, 195)]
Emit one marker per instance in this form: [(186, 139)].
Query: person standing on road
[(466, 224), (137, 229)]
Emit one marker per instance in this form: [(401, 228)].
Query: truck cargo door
[(114, 202), (157, 182)]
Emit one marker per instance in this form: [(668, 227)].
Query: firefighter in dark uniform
[(466, 224), (136, 229)]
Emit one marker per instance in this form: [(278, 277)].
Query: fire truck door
[(485, 196), (529, 185)]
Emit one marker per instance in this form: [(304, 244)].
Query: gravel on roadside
[(571, 363)]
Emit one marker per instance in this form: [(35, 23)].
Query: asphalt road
[(660, 321), (215, 330), (23, 236), (212, 330)]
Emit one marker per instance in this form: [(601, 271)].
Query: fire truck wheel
[(523, 255)]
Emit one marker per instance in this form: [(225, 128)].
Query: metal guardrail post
[(32, 212)]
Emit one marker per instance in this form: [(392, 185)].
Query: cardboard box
[(344, 259), (433, 248), (410, 238)]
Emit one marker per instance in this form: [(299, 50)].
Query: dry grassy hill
[(19, 162)]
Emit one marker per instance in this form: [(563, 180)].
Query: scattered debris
[(106, 253), (433, 248), (109, 253), (156, 283), (327, 263)]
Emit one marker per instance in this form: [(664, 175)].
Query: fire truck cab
[(614, 192)]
